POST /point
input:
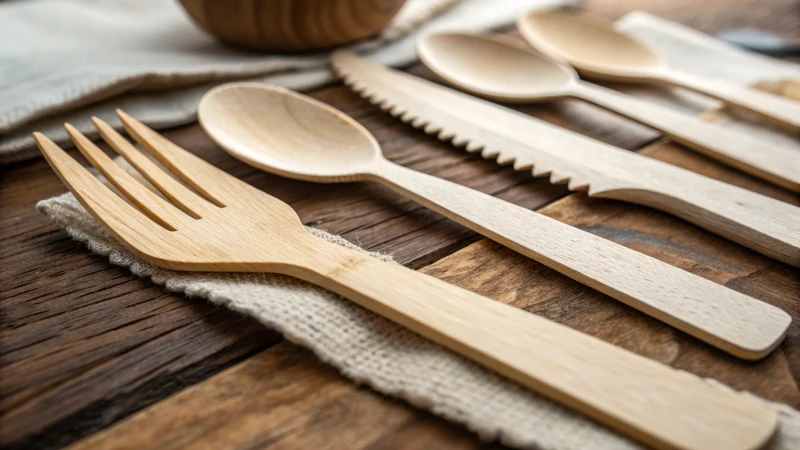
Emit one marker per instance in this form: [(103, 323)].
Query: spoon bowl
[(296, 136), (494, 67), (315, 142), (598, 50), (589, 44), (501, 69)]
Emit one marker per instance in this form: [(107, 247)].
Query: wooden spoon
[(598, 50), (290, 134), (502, 70), (226, 225)]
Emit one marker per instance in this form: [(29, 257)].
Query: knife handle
[(724, 318), (772, 162), (761, 223)]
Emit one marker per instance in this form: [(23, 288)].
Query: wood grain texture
[(72, 325), (291, 25), (753, 220), (597, 50), (772, 163), (301, 397), (292, 135), (70, 320), (228, 226), (493, 270), (503, 70)]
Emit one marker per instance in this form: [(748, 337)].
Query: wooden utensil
[(291, 25), (293, 135), (756, 221), (598, 50), (227, 225), (502, 70)]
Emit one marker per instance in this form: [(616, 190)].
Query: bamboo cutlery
[(501, 70), (595, 48), (295, 136), (761, 223), (219, 223), (202, 219)]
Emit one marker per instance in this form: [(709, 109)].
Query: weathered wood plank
[(74, 329), (712, 16), (301, 399), (497, 272), (57, 301)]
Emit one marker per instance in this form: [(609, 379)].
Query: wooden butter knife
[(761, 223)]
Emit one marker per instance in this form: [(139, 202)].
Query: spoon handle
[(771, 107), (640, 397), (778, 165), (733, 322)]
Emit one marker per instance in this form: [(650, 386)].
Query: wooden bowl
[(291, 25)]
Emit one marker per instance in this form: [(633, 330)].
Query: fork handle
[(722, 317), (637, 396)]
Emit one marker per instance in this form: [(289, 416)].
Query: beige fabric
[(68, 60), (371, 350)]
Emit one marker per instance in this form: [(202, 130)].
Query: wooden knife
[(766, 225)]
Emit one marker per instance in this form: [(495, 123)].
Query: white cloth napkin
[(67, 60)]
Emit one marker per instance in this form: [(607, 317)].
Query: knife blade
[(761, 223)]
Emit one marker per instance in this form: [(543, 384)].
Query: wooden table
[(85, 345)]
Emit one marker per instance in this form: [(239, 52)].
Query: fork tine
[(184, 198), (151, 204), (124, 221), (192, 170)]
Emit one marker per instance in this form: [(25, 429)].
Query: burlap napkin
[(68, 60), (371, 350)]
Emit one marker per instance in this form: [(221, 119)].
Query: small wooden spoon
[(598, 50), (499, 69), (290, 134)]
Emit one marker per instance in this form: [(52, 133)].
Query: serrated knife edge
[(767, 225), (497, 132)]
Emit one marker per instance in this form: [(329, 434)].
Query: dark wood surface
[(85, 344)]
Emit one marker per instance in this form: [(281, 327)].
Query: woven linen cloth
[(390, 359), (68, 60)]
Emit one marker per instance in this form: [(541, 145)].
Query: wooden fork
[(219, 223)]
